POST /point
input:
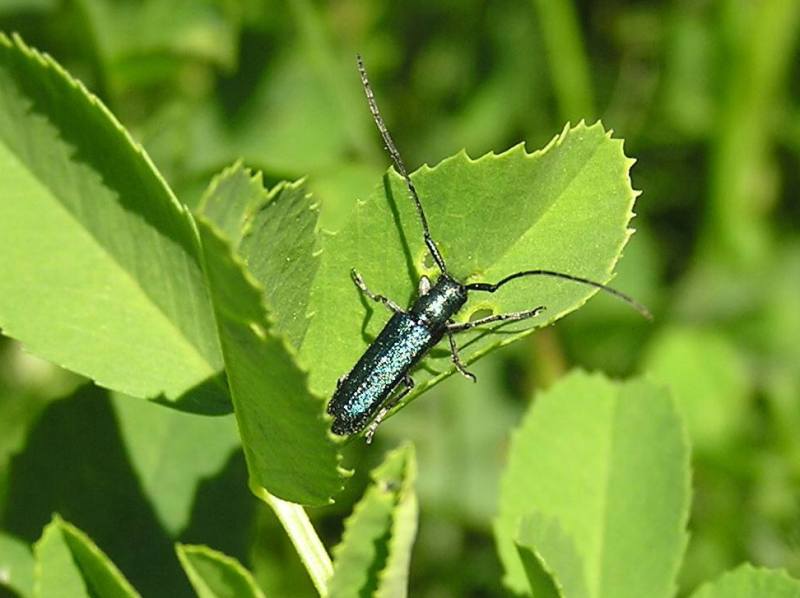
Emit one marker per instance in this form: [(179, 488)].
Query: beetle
[(380, 379)]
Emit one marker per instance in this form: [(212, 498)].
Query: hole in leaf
[(427, 261), (484, 312)]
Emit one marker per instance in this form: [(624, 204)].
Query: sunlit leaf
[(216, 575), (100, 269), (609, 462), (565, 208), (749, 582), (68, 563)]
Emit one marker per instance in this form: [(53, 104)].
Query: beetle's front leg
[(408, 383), (362, 286)]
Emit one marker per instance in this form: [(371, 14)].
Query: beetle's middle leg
[(408, 384), (362, 286), (509, 317), (456, 359)]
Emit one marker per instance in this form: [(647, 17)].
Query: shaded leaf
[(74, 463), (552, 563), (99, 270), (284, 433), (275, 234), (609, 462), (172, 452), (216, 575), (374, 554), (69, 564)]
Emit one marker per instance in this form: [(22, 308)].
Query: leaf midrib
[(556, 198)]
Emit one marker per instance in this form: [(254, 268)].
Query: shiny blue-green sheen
[(405, 339)]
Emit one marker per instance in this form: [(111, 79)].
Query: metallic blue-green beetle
[(381, 377)]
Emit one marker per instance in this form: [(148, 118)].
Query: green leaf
[(216, 575), (126, 31), (100, 267), (69, 564), (12, 6), (709, 380), (466, 456), (75, 463), (284, 432), (375, 551), (609, 462), (275, 234), (749, 582), (162, 445), (16, 565), (230, 200), (565, 208), (552, 562)]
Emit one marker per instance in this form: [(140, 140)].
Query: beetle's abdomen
[(401, 343)]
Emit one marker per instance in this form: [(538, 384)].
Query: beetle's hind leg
[(362, 286), (509, 317), (408, 384), (457, 360)]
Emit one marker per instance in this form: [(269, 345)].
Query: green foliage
[(162, 447), (101, 272), (564, 208), (284, 434), (134, 272), (375, 551), (708, 381), (603, 496), (747, 581), (215, 575), (16, 565), (69, 564)]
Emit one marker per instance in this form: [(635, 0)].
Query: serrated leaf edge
[(46, 61), (182, 551), (271, 330), (65, 527)]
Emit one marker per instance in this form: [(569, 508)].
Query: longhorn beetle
[(363, 397)]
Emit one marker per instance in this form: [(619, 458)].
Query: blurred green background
[(706, 94)]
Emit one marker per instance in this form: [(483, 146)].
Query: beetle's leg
[(510, 317), (456, 359), (377, 298), (408, 383), (340, 380)]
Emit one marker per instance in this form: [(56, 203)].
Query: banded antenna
[(491, 288), (398, 164)]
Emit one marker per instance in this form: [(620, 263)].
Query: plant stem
[(295, 521)]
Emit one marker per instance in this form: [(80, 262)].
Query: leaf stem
[(312, 552)]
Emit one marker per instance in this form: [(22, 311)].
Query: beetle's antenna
[(491, 288), (398, 164)]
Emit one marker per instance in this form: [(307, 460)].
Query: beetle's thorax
[(439, 304)]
